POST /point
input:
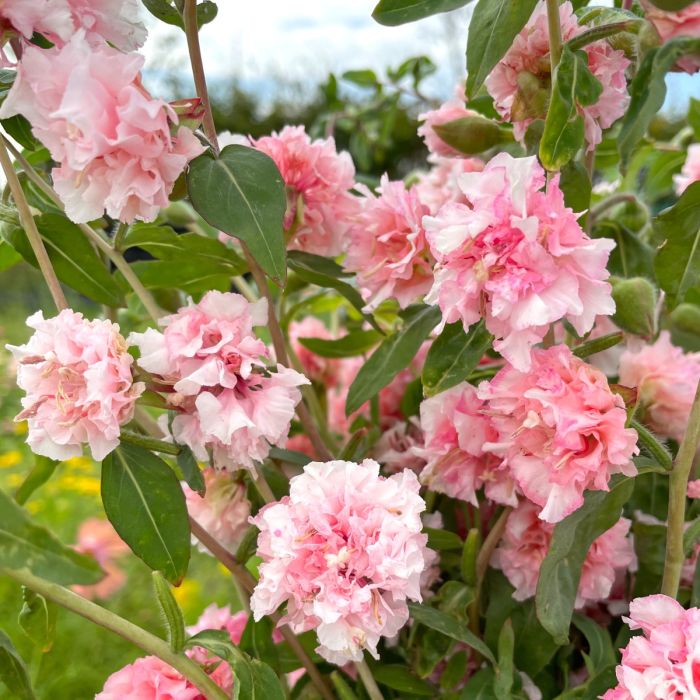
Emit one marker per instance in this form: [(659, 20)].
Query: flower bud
[(635, 301), (686, 318)]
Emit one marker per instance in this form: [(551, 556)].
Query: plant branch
[(189, 15), (149, 443), (368, 679), (657, 450), (492, 539), (610, 202), (554, 25), (678, 488), (115, 256), (29, 226), (132, 633)]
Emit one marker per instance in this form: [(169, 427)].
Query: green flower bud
[(635, 300), (686, 318)]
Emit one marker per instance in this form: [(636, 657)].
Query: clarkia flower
[(76, 375), (344, 551)]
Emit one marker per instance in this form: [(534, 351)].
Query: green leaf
[(470, 553), (242, 193), (323, 272), (492, 29), (677, 262), (26, 545), (392, 13), (165, 12), (190, 470), (561, 569), (443, 540), (470, 135), (191, 276), (672, 5), (341, 686), (255, 680), (691, 536), (351, 345), (576, 186), (40, 473), (8, 256), (363, 78), (450, 626), (257, 641), (393, 355), (480, 686), (503, 683), (573, 86), (600, 645), (453, 356), (631, 257), (593, 688), (75, 261), (144, 501), (13, 671), (648, 91), (400, 678), (291, 456), (21, 131), (37, 618), (174, 622)]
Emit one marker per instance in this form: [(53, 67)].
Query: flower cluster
[(318, 179), (78, 383), (345, 551), (386, 246), (521, 81), (228, 401), (662, 661), (516, 256), (526, 542)]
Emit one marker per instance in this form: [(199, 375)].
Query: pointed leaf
[(470, 135), (242, 193), (190, 470), (351, 345), (26, 545), (174, 622), (40, 473), (37, 618), (144, 501), (392, 13), (393, 355), (13, 671)]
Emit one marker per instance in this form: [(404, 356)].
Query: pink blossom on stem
[(318, 180), (447, 112), (111, 139), (115, 21), (78, 383), (690, 172), (52, 18), (396, 448), (520, 82), (223, 511), (671, 25), (98, 539), (345, 551), (456, 425), (525, 544), (661, 662), (386, 246), (516, 256), (666, 379), (561, 430), (228, 400)]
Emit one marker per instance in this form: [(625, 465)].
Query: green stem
[(149, 443), (29, 226), (189, 15), (610, 202), (653, 446), (120, 235), (554, 25), (678, 488), (591, 347), (600, 32), (368, 680), (115, 256), (132, 633)]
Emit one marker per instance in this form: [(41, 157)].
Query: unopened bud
[(686, 318), (635, 301), (190, 111)]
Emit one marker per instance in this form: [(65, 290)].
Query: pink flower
[(51, 18), (115, 21), (663, 661), (520, 82), (694, 489), (518, 257), (690, 172), (344, 550), (228, 400), (98, 539), (455, 427), (386, 246), (77, 378), (149, 678), (224, 510), (670, 25), (561, 430), (447, 112), (396, 448), (440, 184), (526, 542), (666, 379), (318, 180), (111, 139)]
